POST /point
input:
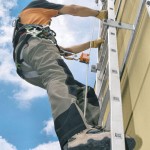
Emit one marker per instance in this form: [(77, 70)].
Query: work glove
[(96, 43), (102, 15)]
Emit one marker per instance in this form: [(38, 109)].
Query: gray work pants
[(65, 93)]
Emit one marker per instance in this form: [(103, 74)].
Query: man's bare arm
[(76, 10), (81, 47), (81, 11)]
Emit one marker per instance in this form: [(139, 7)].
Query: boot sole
[(102, 145), (130, 143), (94, 145)]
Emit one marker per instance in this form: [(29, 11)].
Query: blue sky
[(25, 115)]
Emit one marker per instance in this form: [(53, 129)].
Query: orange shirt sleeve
[(40, 16)]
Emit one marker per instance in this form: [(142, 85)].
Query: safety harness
[(22, 33)]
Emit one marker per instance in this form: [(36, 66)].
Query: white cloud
[(8, 4), (6, 35), (26, 92), (48, 146), (49, 130), (49, 127), (4, 145)]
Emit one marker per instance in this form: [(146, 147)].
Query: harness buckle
[(33, 31)]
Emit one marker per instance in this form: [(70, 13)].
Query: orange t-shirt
[(39, 12)]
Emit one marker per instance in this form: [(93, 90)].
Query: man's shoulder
[(43, 4)]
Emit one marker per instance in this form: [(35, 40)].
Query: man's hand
[(103, 14), (96, 43)]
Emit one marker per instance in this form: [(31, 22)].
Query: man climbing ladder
[(38, 61)]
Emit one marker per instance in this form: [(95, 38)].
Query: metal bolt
[(96, 1), (118, 135), (114, 71), (113, 50), (148, 3)]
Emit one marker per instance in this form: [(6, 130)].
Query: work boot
[(94, 139), (89, 139), (129, 143), (102, 15)]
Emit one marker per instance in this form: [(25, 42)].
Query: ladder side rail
[(102, 56), (101, 34), (104, 61), (104, 82), (107, 124), (117, 129), (103, 69), (102, 75), (103, 107), (98, 73)]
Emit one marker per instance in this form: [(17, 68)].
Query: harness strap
[(27, 37), (19, 60), (31, 74)]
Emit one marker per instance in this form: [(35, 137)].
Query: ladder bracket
[(148, 6), (117, 24), (96, 67)]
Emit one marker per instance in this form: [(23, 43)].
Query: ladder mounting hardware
[(148, 6), (103, 1), (96, 1), (117, 24), (96, 67)]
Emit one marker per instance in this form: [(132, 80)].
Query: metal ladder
[(116, 116), (107, 85), (108, 78)]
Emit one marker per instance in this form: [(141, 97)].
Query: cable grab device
[(84, 57)]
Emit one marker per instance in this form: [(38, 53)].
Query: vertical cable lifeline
[(86, 85), (86, 90), (87, 69)]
